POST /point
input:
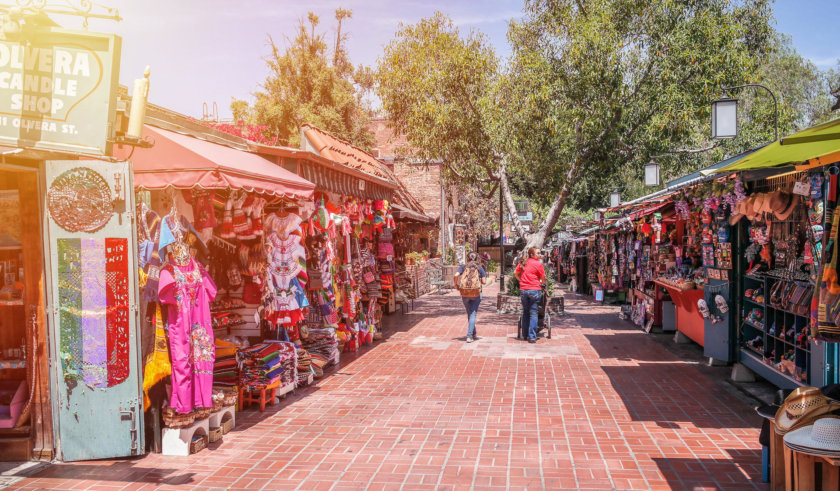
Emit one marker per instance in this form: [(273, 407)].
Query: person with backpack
[(468, 281), (531, 276)]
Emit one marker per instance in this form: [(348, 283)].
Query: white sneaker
[(470, 339)]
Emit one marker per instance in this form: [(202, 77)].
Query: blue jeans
[(530, 310), (471, 304)]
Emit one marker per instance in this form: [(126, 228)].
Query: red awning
[(648, 211), (185, 162)]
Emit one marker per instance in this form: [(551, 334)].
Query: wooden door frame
[(37, 343)]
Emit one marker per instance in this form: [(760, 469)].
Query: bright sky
[(212, 50)]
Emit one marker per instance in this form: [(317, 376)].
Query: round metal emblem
[(79, 200)]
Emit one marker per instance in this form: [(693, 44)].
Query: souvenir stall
[(782, 225), (221, 275), (611, 271), (410, 240), (646, 257), (676, 256)]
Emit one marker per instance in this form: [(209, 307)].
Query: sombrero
[(822, 437), (801, 407)]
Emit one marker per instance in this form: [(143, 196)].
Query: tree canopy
[(592, 90), (312, 82)]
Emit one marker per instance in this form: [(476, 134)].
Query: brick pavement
[(599, 406)]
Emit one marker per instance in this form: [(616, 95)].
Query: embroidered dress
[(286, 293), (187, 292)]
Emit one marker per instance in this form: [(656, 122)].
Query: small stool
[(176, 441), (227, 412), (263, 396)]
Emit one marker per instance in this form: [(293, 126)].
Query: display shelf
[(776, 377), (776, 344), (757, 304)]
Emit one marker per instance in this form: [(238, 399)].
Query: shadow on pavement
[(741, 471), (673, 393)]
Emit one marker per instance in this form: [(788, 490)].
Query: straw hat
[(739, 212), (785, 206), (822, 437), (763, 203), (751, 209), (801, 407)]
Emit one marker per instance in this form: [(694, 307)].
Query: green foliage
[(449, 256), (492, 266), (310, 83), (592, 90), (512, 286), (601, 86), (436, 87)]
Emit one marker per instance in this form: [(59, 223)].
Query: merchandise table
[(689, 320)]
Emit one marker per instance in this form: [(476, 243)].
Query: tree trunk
[(537, 239), (517, 225)]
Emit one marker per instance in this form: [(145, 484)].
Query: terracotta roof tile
[(343, 152)]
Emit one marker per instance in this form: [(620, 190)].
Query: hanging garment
[(158, 366), (283, 224), (187, 292), (203, 213)]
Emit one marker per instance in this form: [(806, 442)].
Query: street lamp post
[(501, 241), (725, 113), (652, 173)]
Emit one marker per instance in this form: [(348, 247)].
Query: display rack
[(775, 348)]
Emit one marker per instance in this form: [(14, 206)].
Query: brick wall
[(423, 182)]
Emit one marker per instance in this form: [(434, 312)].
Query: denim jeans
[(530, 310), (471, 304)]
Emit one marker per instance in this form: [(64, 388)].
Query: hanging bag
[(316, 281)]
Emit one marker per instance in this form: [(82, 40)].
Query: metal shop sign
[(58, 90)]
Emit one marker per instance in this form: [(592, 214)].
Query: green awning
[(799, 147)]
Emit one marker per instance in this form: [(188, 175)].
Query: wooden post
[(38, 356), (777, 460)]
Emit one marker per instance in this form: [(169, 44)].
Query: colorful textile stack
[(225, 369), (266, 363), (303, 364), (322, 345)]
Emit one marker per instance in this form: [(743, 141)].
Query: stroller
[(543, 320)]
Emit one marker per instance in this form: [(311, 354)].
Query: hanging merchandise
[(187, 290)]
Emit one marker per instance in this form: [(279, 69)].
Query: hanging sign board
[(58, 90)]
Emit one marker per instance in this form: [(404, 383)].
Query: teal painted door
[(95, 368)]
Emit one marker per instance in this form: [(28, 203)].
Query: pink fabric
[(9, 415), (531, 274), (187, 295)]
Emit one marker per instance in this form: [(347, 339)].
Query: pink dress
[(187, 292)]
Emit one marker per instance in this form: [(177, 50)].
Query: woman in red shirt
[(531, 276)]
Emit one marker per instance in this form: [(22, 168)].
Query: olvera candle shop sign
[(58, 90)]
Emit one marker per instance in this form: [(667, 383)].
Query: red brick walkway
[(599, 406)]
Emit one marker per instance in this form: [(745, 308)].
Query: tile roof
[(338, 150), (345, 153)]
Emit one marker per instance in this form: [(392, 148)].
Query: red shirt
[(530, 274)]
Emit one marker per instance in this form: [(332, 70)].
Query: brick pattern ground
[(599, 406)]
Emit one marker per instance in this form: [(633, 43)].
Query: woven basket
[(217, 406), (198, 444), (226, 426), (215, 434), (176, 420), (230, 398), (202, 413)]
